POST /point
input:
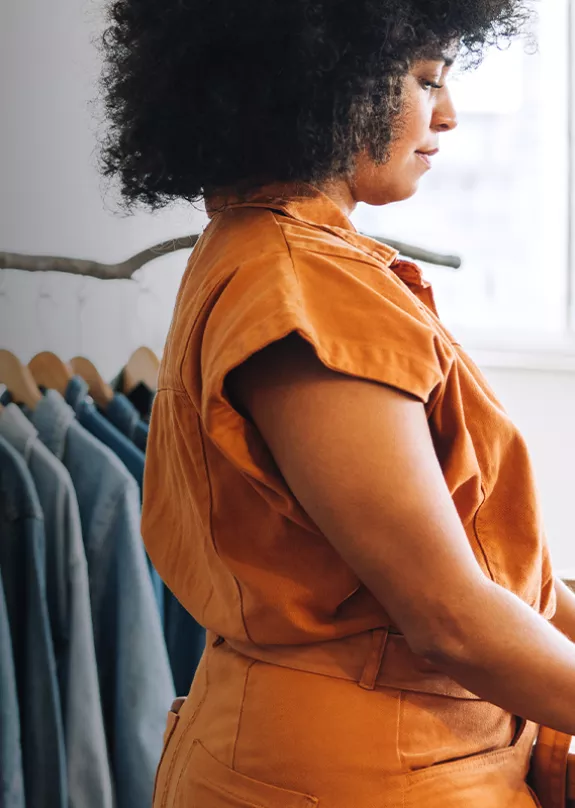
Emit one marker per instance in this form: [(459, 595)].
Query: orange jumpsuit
[(307, 695)]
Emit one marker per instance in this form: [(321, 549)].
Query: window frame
[(539, 350)]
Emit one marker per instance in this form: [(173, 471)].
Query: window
[(498, 195)]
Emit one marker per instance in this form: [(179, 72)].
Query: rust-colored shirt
[(219, 521)]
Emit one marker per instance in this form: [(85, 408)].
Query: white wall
[(542, 404), (52, 203)]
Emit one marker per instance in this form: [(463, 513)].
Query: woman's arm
[(564, 618), (360, 459)]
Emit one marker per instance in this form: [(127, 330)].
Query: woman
[(332, 488)]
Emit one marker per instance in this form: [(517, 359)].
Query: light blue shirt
[(23, 570), (11, 772), (68, 596), (136, 683)]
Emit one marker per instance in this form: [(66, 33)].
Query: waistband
[(380, 657)]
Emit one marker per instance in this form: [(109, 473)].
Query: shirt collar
[(306, 203), (17, 429), (76, 391), (52, 417)]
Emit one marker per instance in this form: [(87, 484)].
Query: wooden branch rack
[(126, 269)]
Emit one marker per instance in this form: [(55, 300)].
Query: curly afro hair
[(205, 95)]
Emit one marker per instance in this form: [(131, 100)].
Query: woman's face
[(427, 112)]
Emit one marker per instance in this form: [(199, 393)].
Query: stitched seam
[(191, 333), (480, 761), (211, 499), (363, 258), (476, 533), (162, 758), (400, 718), (240, 716), (185, 733), (234, 794), (175, 390), (309, 799)]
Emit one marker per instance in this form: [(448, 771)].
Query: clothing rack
[(125, 270)]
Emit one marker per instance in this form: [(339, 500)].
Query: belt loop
[(374, 658)]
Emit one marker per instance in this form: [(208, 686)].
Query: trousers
[(352, 723)]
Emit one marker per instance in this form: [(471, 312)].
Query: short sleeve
[(361, 323), (361, 320)]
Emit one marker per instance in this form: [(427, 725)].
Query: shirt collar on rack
[(52, 417), (17, 429)]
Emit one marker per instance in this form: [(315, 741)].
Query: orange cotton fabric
[(238, 550)]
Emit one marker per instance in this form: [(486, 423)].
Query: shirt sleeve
[(361, 321)]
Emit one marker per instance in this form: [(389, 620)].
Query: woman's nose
[(445, 115)]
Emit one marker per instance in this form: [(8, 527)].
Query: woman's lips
[(426, 156)]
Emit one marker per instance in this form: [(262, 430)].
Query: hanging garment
[(228, 536), (89, 417), (11, 772), (132, 457), (140, 396), (68, 598), (185, 638), (124, 416), (135, 679), (23, 570)]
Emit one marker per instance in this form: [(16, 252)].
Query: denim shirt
[(185, 638), (89, 777), (132, 457), (11, 772), (124, 416), (87, 413), (23, 569), (136, 683)]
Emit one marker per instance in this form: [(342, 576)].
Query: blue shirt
[(23, 569), (68, 597), (87, 413), (124, 416), (132, 457), (136, 683), (11, 773)]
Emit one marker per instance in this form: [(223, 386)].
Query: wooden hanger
[(49, 371), (142, 366), (19, 380), (100, 390)]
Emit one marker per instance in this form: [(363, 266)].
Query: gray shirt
[(67, 589)]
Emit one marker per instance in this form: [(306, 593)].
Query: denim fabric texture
[(11, 772), (124, 416), (89, 417), (132, 457), (136, 683), (23, 569), (186, 640), (68, 597)]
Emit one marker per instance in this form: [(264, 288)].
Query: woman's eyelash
[(432, 84)]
